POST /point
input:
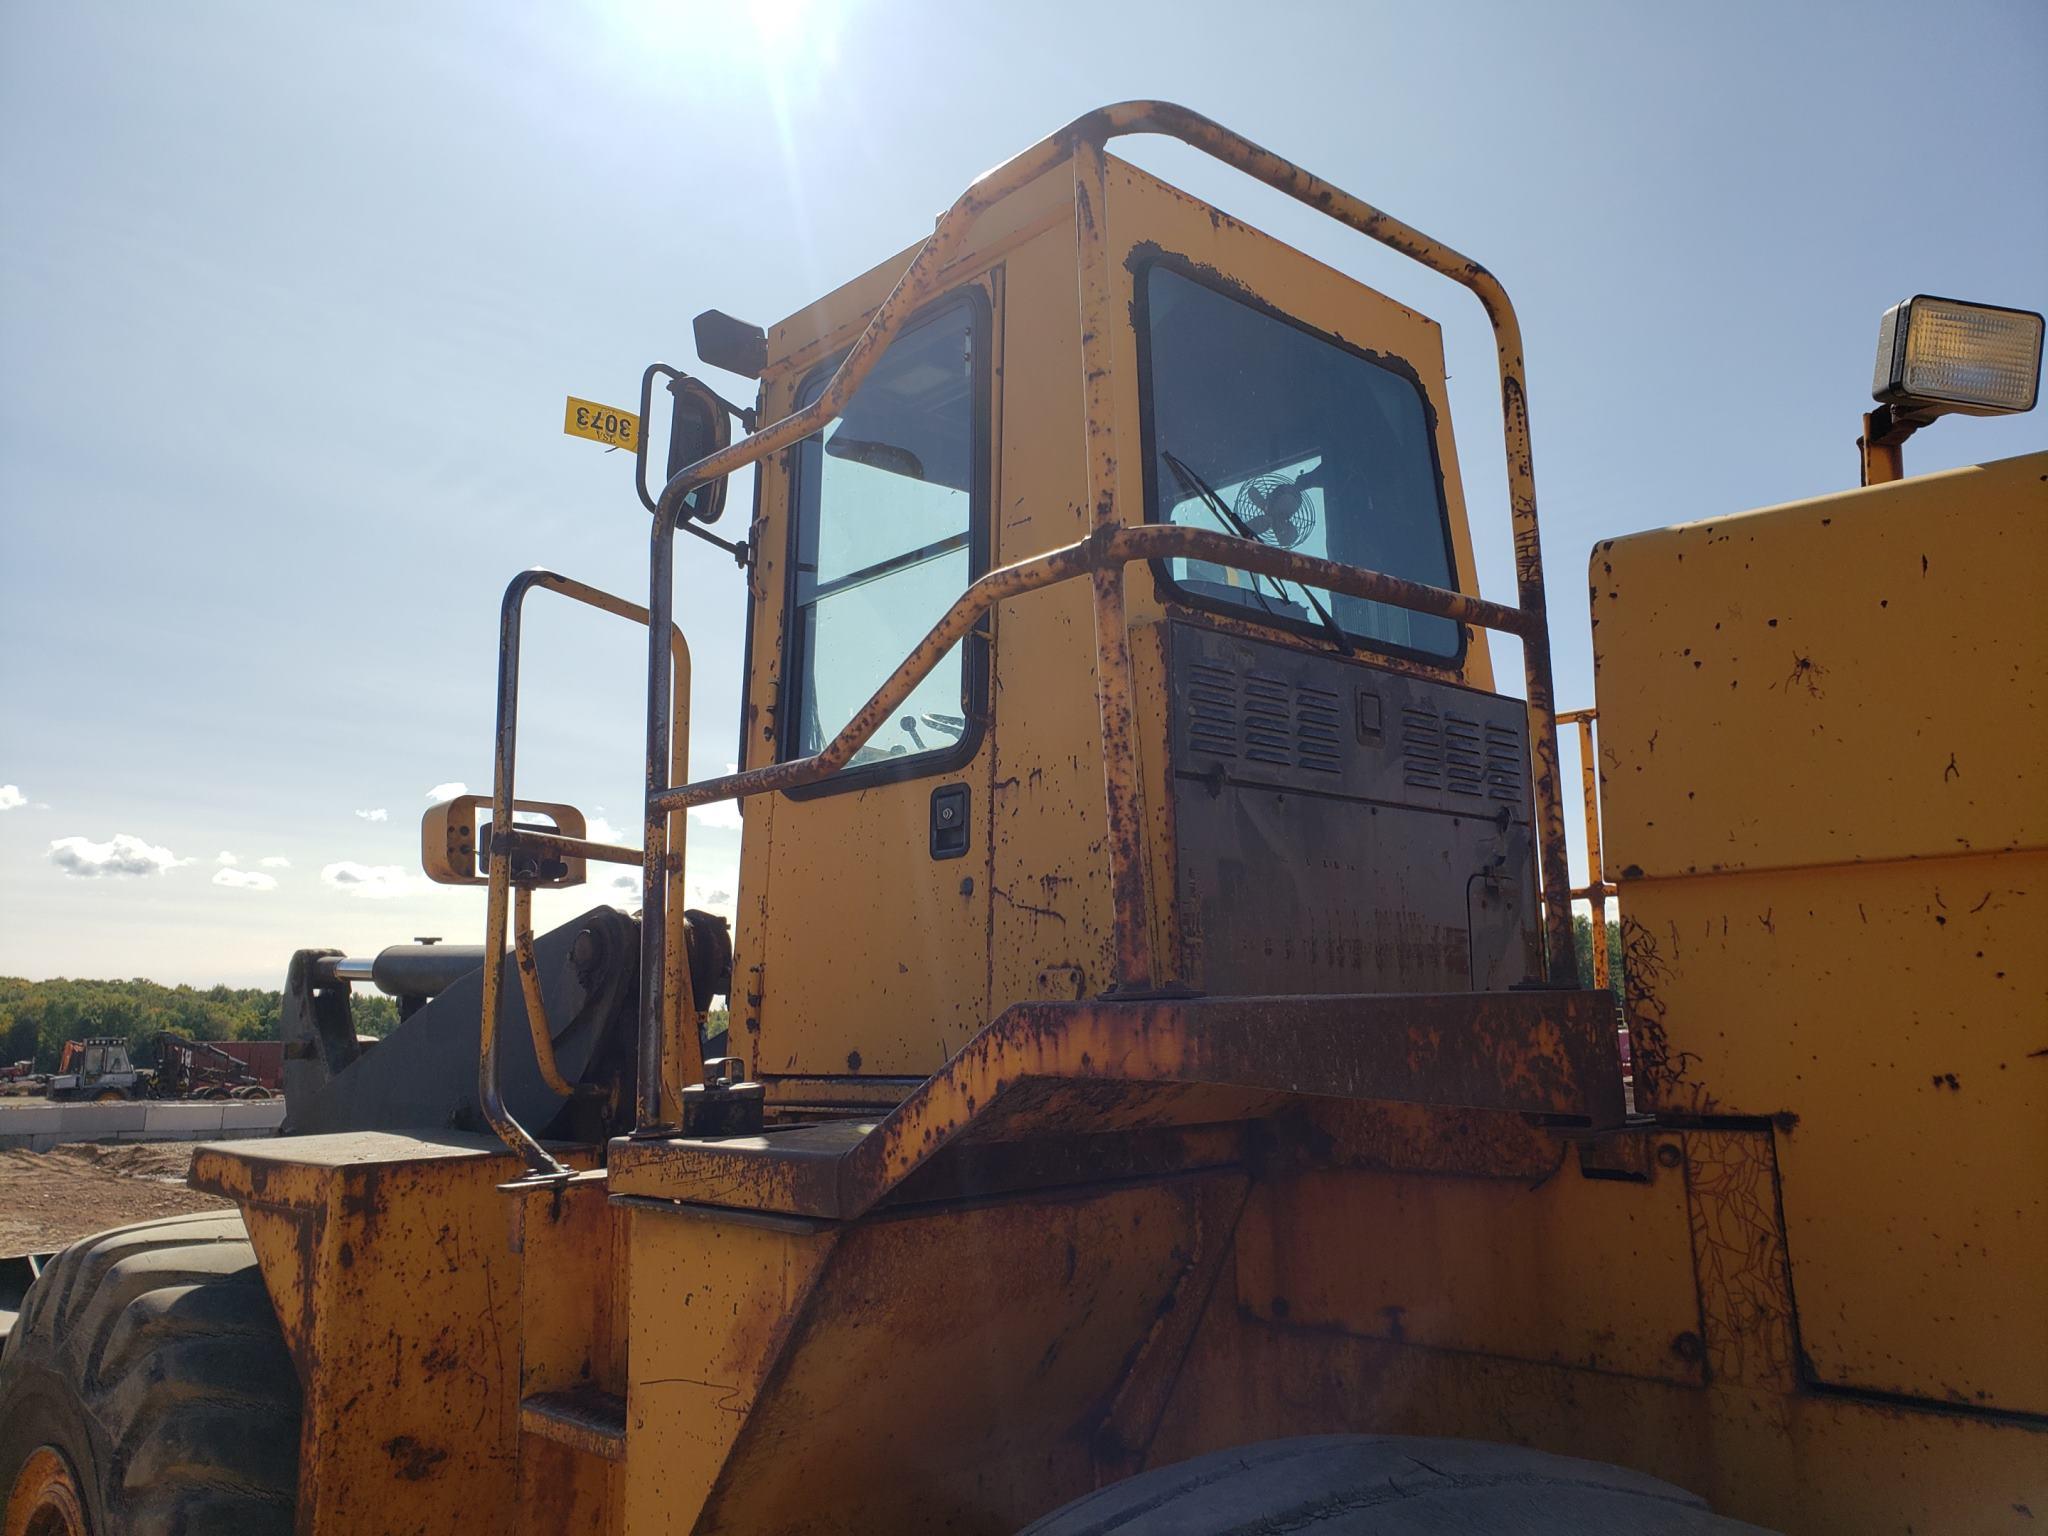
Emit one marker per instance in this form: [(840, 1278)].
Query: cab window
[(889, 511), (1260, 427)]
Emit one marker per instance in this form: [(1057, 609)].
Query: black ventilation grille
[(1503, 763), (1251, 713), (1422, 748), (1212, 709), (1263, 719), (1462, 756)]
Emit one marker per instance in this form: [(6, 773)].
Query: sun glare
[(790, 43)]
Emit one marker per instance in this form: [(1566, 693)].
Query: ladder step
[(585, 1418)]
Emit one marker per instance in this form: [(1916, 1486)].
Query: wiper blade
[(1192, 481)]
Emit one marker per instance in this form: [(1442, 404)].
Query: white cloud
[(710, 899), (11, 797), (225, 858), (598, 830), (719, 815), (448, 791), (123, 855), (375, 882), (275, 861), (695, 894), (244, 879), (379, 814)]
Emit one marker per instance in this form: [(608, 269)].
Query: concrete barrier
[(37, 1127)]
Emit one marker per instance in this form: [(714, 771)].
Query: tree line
[(1582, 942), (37, 1017)]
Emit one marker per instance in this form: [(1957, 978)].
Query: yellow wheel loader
[(1159, 1094)]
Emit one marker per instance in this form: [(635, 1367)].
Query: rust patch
[(1806, 673), (1661, 1071), (1418, 1138), (411, 1459), (1739, 1260)]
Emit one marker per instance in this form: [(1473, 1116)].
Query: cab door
[(872, 901)]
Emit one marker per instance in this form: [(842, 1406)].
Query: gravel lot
[(48, 1199)]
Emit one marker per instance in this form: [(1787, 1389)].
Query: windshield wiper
[(1194, 482)]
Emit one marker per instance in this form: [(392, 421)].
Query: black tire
[(1388, 1485), (150, 1357)]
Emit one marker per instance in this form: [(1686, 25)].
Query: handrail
[(1079, 144), (1111, 549), (505, 839)]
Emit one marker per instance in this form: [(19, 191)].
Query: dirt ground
[(48, 1199)]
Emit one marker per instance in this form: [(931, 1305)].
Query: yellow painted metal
[(712, 1303), (1822, 726), (388, 1261), (1589, 1273), (1882, 462), (1044, 1304), (569, 1243), (1844, 680), (1068, 1070), (1761, 1450)]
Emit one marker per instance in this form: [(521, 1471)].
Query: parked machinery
[(210, 1069), (1166, 1084), (98, 1069)]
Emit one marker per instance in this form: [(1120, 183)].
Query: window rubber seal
[(1141, 315), (975, 649)]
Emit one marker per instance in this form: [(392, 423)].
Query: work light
[(1936, 356)]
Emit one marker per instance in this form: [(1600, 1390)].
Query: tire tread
[(163, 1337)]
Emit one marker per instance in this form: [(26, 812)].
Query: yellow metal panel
[(1892, 1016), (1050, 925), (571, 1248), (1743, 1434), (711, 1303), (1849, 679), (1807, 1465), (387, 1258), (1594, 1273), (952, 1364), (1821, 725)]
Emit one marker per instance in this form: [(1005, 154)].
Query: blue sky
[(290, 297)]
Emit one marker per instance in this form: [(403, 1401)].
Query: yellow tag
[(602, 424)]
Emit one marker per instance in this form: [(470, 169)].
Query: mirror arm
[(742, 414), (741, 550)]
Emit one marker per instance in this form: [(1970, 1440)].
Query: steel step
[(586, 1418)]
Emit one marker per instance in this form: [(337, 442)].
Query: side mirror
[(455, 849), (700, 426)]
